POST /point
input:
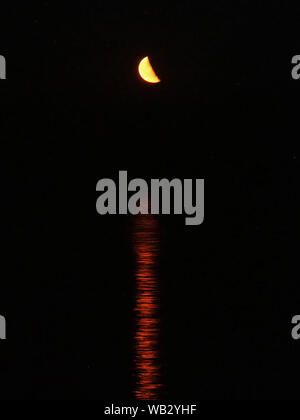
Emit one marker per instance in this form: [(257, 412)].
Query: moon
[(146, 71)]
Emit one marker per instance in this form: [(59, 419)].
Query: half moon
[(146, 71)]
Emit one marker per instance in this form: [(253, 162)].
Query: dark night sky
[(73, 111)]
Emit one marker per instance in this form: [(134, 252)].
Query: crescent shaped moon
[(146, 71)]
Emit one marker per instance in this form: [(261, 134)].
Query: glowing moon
[(146, 71)]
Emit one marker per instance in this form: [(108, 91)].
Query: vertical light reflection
[(147, 343)]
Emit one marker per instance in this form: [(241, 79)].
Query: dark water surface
[(147, 344)]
